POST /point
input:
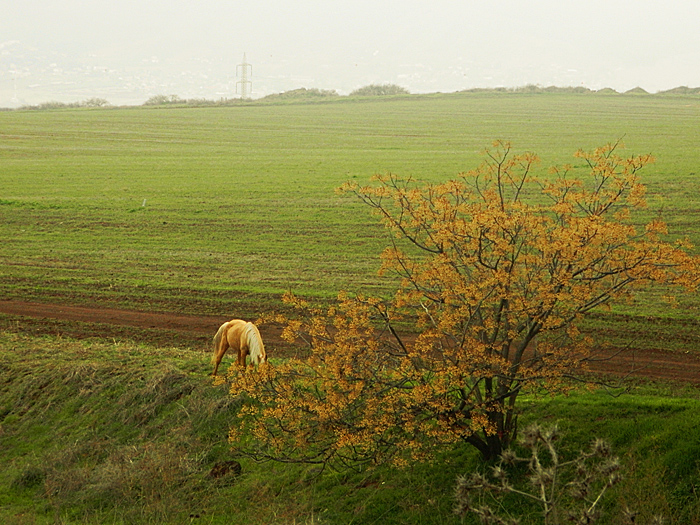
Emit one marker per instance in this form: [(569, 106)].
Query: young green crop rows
[(186, 209)]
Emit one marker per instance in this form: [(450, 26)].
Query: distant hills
[(531, 88), (304, 95)]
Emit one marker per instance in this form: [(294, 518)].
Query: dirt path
[(198, 330), (187, 323)]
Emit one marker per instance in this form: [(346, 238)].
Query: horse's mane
[(255, 344)]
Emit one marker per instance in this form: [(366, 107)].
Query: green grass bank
[(104, 432)]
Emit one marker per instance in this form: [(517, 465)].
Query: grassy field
[(102, 432), (219, 211)]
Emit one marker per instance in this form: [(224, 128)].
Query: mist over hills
[(32, 75)]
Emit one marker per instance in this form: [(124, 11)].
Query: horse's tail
[(256, 348), (217, 340)]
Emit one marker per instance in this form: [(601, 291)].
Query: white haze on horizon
[(127, 51)]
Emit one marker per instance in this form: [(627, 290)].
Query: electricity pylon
[(246, 69)]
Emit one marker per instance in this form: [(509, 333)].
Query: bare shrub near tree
[(563, 491)]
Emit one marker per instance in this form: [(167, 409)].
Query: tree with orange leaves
[(498, 268)]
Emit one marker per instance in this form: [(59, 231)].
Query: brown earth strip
[(187, 323), (197, 331)]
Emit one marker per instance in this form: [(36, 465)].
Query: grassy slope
[(102, 432)]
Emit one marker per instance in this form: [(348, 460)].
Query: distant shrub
[(682, 90), (568, 89), (161, 100), (379, 90), (95, 103), (637, 91), (301, 94), (485, 90), (52, 104), (167, 100)]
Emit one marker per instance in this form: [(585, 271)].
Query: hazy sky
[(191, 47)]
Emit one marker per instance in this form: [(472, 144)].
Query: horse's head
[(258, 355)]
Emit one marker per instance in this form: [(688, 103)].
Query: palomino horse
[(242, 337)]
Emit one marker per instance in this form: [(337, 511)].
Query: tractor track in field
[(197, 331)]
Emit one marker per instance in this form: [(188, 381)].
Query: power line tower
[(14, 82), (246, 70)]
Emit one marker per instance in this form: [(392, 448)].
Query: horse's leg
[(242, 353), (223, 346)]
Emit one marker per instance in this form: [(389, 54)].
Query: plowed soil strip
[(184, 323), (650, 364)]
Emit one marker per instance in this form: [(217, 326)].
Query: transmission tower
[(246, 70)]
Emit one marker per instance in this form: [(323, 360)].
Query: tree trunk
[(492, 445)]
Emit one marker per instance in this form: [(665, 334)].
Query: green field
[(219, 210)]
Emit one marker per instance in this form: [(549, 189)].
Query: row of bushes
[(533, 88), (175, 100), (373, 90), (300, 94), (88, 103)]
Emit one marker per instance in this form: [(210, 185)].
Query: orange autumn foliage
[(498, 268)]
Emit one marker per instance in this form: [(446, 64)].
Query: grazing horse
[(242, 337)]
